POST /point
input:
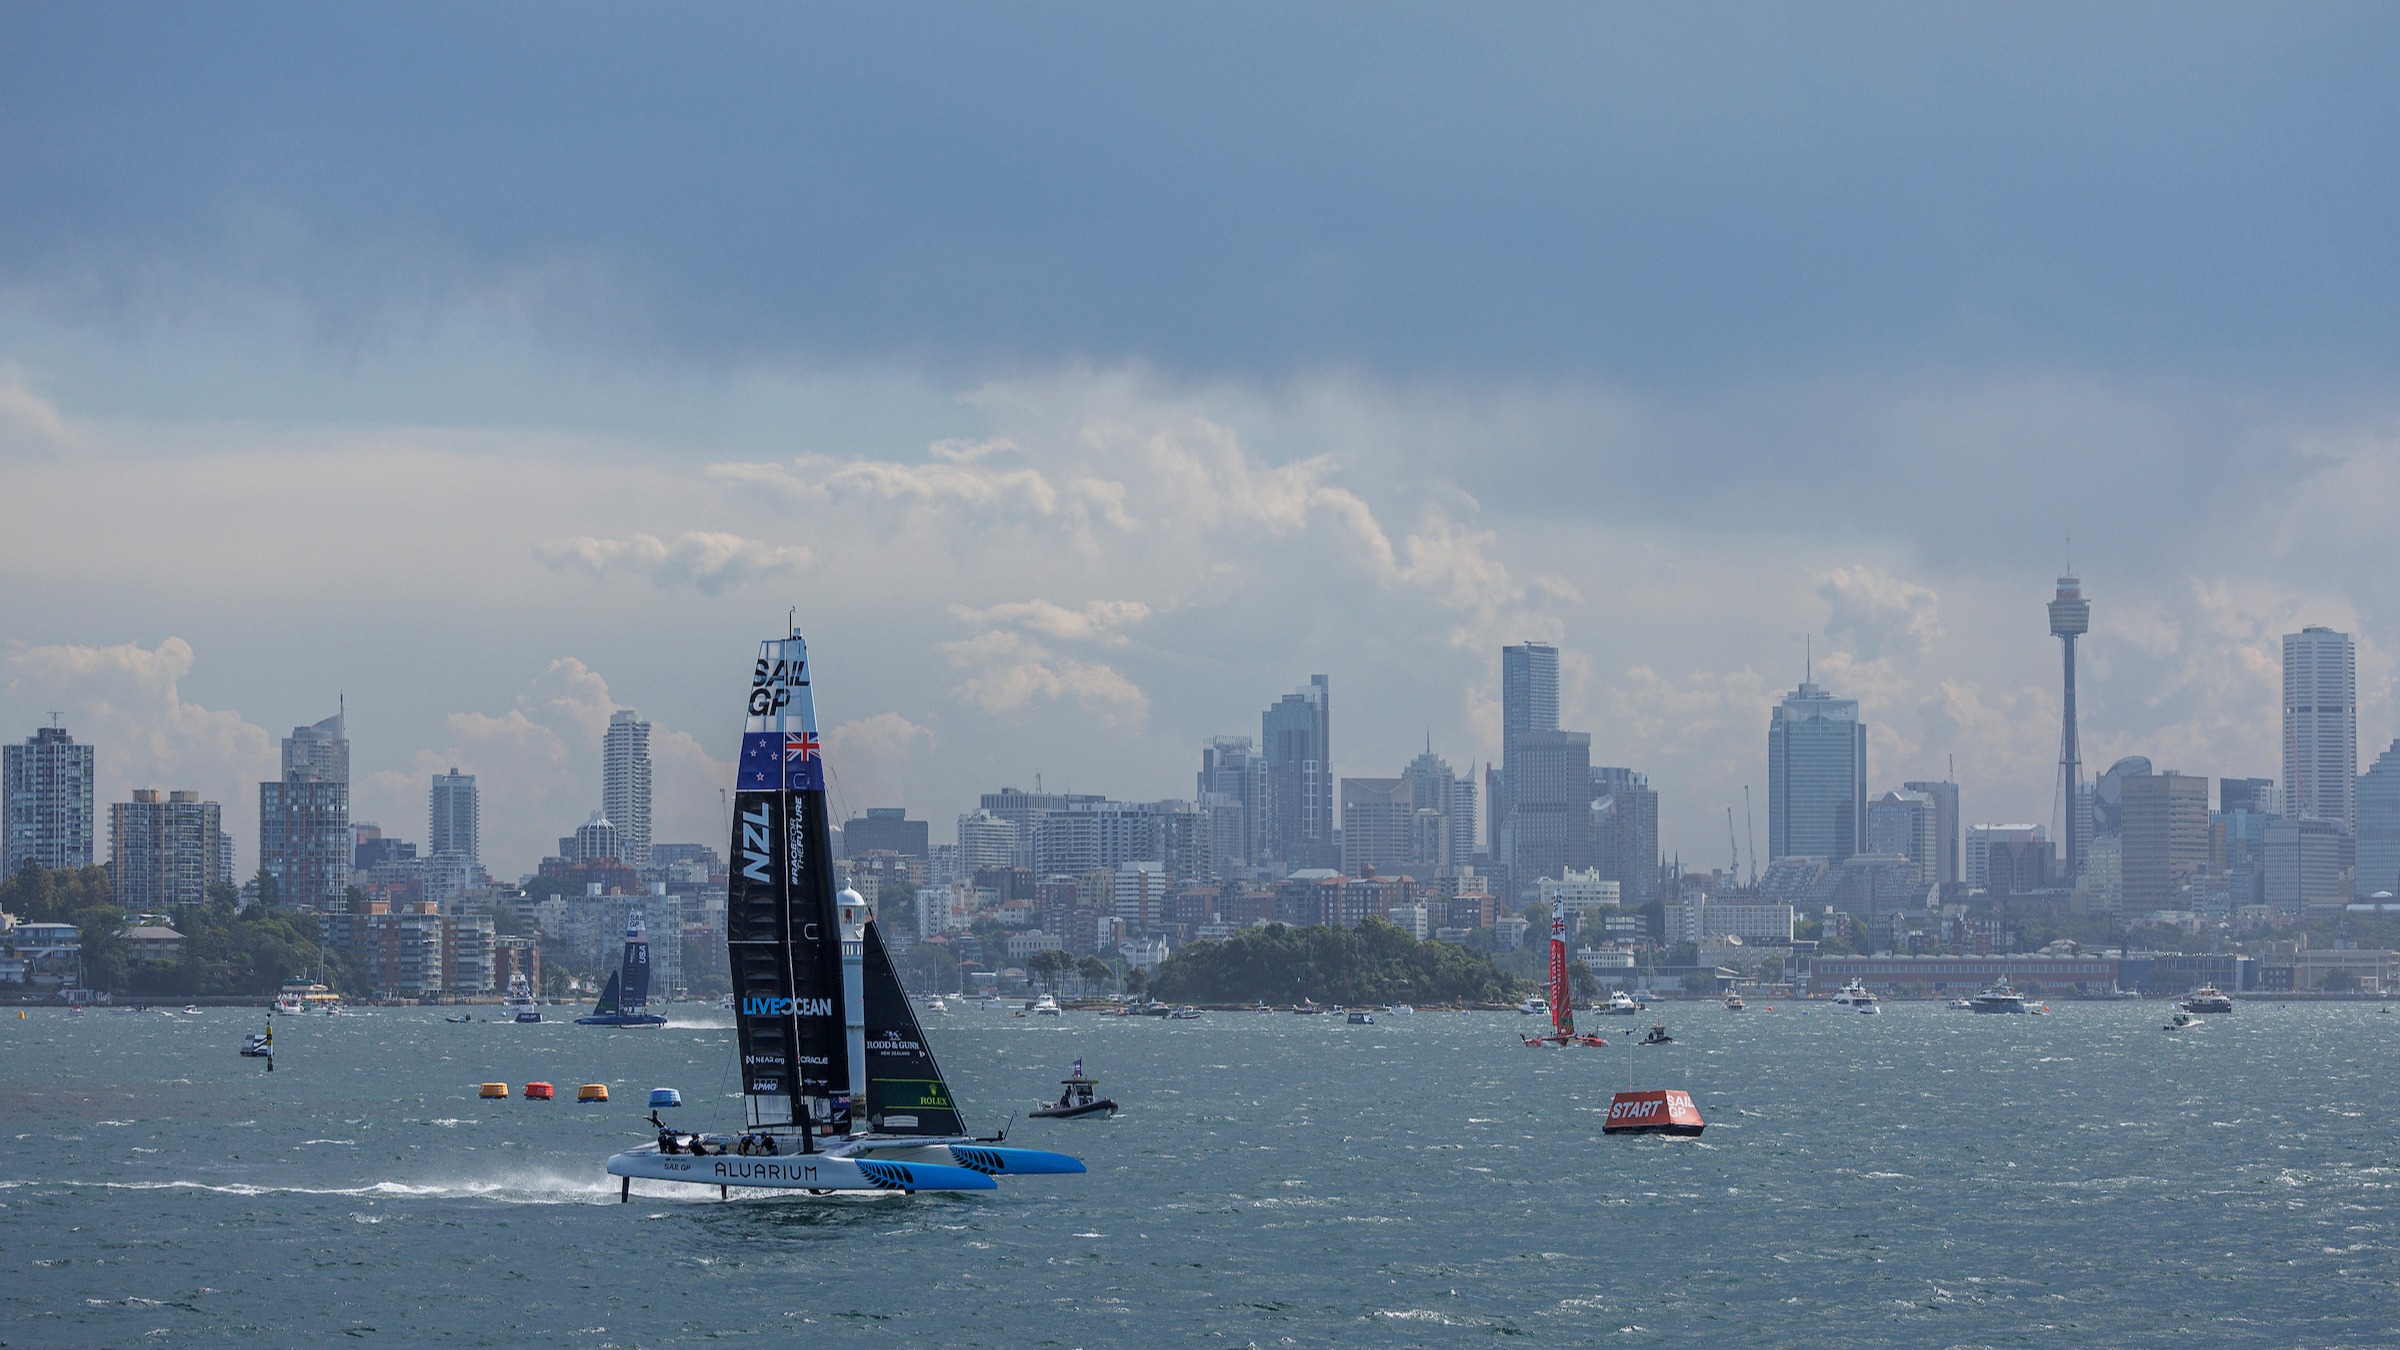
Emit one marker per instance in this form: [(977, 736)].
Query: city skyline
[(620, 729)]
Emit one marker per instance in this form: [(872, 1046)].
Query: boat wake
[(530, 1188)]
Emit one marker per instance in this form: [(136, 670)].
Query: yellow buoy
[(494, 1090), (592, 1092)]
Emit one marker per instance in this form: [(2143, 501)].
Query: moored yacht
[(1045, 1006), (1998, 998), (2208, 999), (1620, 1004), (1856, 997), (1534, 1006)]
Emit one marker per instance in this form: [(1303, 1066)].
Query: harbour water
[(1924, 1178)]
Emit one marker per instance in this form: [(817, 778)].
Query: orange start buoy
[(539, 1092)]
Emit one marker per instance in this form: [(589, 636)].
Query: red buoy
[(1653, 1113)]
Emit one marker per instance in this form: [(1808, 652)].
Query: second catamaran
[(840, 1088), (625, 1002)]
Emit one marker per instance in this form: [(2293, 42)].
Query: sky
[(1085, 378)]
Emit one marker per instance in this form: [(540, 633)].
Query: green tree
[(1581, 982), (1376, 962)]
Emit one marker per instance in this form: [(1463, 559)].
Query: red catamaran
[(1562, 1005)]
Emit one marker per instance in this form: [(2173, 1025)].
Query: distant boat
[(2181, 1020), (191, 1010), (1998, 998), (1076, 1098), (463, 1017), (1733, 1003), (1561, 1002), (1362, 1019), (2208, 999), (1619, 1004), (1045, 1006), (260, 1045), (1856, 997), (1657, 1035), (1398, 1009), (1186, 1013), (1534, 1006), (625, 1002)]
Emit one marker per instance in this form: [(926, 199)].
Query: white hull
[(907, 1165), (819, 1173)]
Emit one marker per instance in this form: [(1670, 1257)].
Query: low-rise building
[(152, 942), (1961, 976)]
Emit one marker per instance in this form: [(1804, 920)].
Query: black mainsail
[(781, 936)]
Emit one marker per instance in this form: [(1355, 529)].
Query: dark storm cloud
[(1654, 194)]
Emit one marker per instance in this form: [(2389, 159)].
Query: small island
[(1376, 962)]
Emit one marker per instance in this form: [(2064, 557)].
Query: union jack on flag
[(799, 745)]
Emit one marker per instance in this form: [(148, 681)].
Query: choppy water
[(1926, 1178)]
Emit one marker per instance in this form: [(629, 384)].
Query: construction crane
[(1733, 873), (1752, 827)]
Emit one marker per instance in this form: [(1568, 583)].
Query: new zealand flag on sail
[(780, 761)]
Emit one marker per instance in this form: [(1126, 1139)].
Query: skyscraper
[(625, 784), (1233, 790), (455, 818), (1816, 776), (46, 802), (1528, 690), (304, 817), (164, 853), (1908, 824), (1528, 707), (1550, 807), (1625, 832), (1296, 736), (1949, 865), (2320, 726), (2070, 618), (2379, 825), (2165, 832)]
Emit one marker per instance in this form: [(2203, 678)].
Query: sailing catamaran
[(1562, 1004), (840, 1088), (625, 1001)]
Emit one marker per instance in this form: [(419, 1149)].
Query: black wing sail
[(781, 941), (906, 1093), (636, 992), (608, 997)]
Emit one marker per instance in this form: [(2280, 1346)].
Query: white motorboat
[(937, 1004), (1534, 1006), (1998, 998), (1399, 1009), (2208, 999), (1733, 1003), (191, 1010), (1045, 1006), (1620, 1004), (288, 1004), (519, 1003), (1857, 998)]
